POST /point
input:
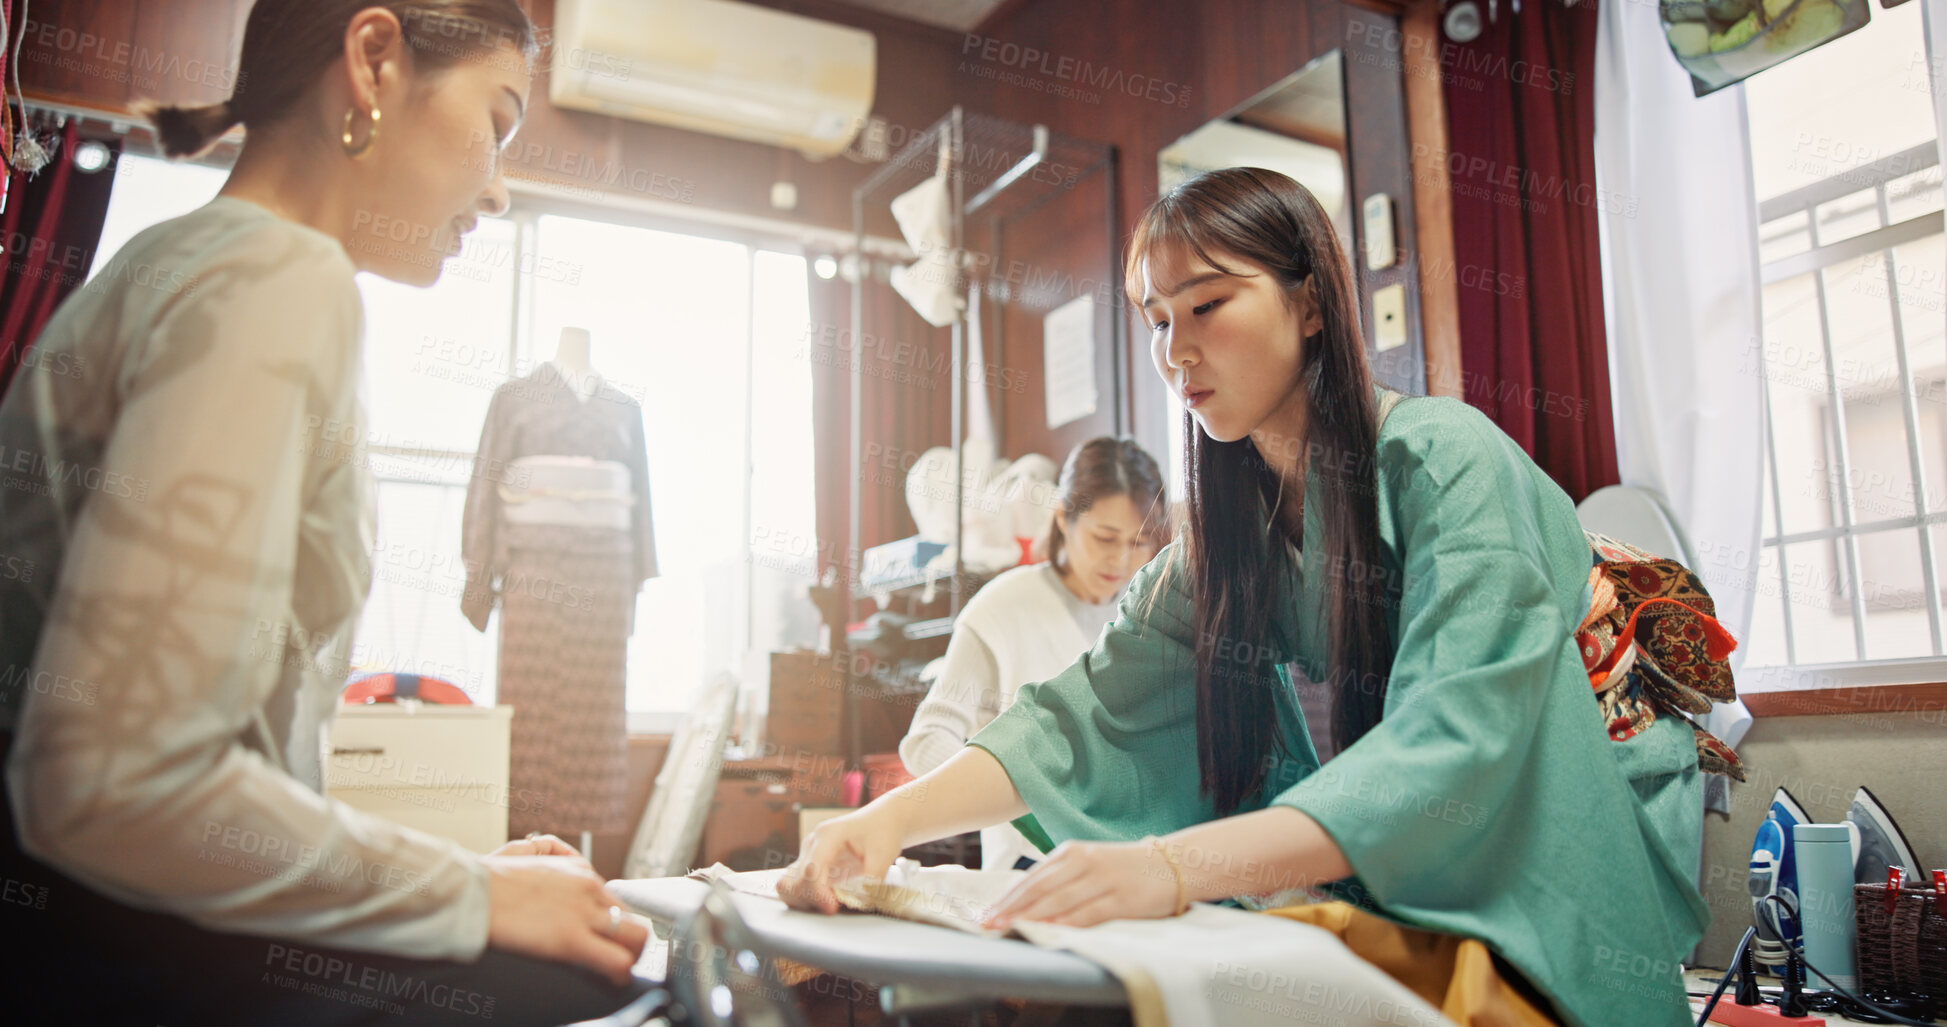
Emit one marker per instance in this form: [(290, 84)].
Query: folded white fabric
[(1212, 965), (1216, 965), (931, 283), (925, 215)]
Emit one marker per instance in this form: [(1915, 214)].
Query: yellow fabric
[(1454, 974)]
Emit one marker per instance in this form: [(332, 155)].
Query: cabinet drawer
[(475, 817), (444, 749)]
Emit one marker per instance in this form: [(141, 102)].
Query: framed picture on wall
[(1725, 41)]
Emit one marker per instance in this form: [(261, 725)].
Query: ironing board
[(918, 967)]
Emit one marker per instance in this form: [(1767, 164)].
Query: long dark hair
[(287, 44), (1263, 219), (1101, 468)]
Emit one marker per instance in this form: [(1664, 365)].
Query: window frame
[(1878, 686)]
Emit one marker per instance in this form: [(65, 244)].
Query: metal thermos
[(1824, 856)]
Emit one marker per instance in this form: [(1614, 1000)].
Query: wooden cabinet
[(807, 705), (753, 825), (756, 813)]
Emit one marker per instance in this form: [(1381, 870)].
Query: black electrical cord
[(1799, 951), (1792, 1001), (1737, 963)]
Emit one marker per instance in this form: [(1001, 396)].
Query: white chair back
[(1637, 516)]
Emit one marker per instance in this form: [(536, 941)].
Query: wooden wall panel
[(108, 53), (1433, 244), (1052, 255), (1227, 69), (1381, 163)]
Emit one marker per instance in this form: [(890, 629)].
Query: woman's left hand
[(1081, 884)]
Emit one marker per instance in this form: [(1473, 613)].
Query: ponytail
[(187, 132)]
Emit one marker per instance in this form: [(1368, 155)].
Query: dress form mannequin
[(571, 359), (558, 537)]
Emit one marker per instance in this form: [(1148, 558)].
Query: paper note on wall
[(1068, 358)]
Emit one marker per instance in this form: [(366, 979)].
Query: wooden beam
[(1426, 131), (1930, 697), (1293, 128)]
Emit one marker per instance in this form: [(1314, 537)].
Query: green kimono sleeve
[(1107, 749), (1489, 802)]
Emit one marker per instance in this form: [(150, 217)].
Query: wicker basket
[(1902, 950)]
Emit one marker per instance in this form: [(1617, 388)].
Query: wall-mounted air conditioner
[(716, 66)]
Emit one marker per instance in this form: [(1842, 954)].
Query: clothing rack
[(991, 164)]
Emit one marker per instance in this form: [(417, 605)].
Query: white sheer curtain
[(1681, 288)]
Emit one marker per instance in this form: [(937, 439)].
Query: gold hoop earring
[(354, 150)]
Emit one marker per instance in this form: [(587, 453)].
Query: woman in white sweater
[(1030, 623)]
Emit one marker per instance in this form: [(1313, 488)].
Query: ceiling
[(1309, 104), (958, 15)]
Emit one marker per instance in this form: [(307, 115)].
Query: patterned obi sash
[(1653, 648)]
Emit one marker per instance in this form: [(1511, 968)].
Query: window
[(432, 360), (1853, 359), (699, 331), (148, 192)]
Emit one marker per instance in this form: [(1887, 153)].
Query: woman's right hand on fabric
[(969, 791), (860, 844), (554, 907)]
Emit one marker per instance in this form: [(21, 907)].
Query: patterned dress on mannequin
[(567, 598)]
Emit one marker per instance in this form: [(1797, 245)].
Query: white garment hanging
[(928, 284), (925, 216)]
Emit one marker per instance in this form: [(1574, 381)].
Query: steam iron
[(1773, 872), (1877, 841)]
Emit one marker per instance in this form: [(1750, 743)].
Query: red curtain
[(1521, 162), (908, 386), (50, 230)]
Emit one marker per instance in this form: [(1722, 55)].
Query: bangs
[(1170, 239)]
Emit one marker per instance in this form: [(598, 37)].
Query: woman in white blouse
[(1030, 623), (196, 506)]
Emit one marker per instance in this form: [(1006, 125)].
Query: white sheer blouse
[(184, 491)]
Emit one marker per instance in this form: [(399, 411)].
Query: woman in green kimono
[(1423, 567)]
